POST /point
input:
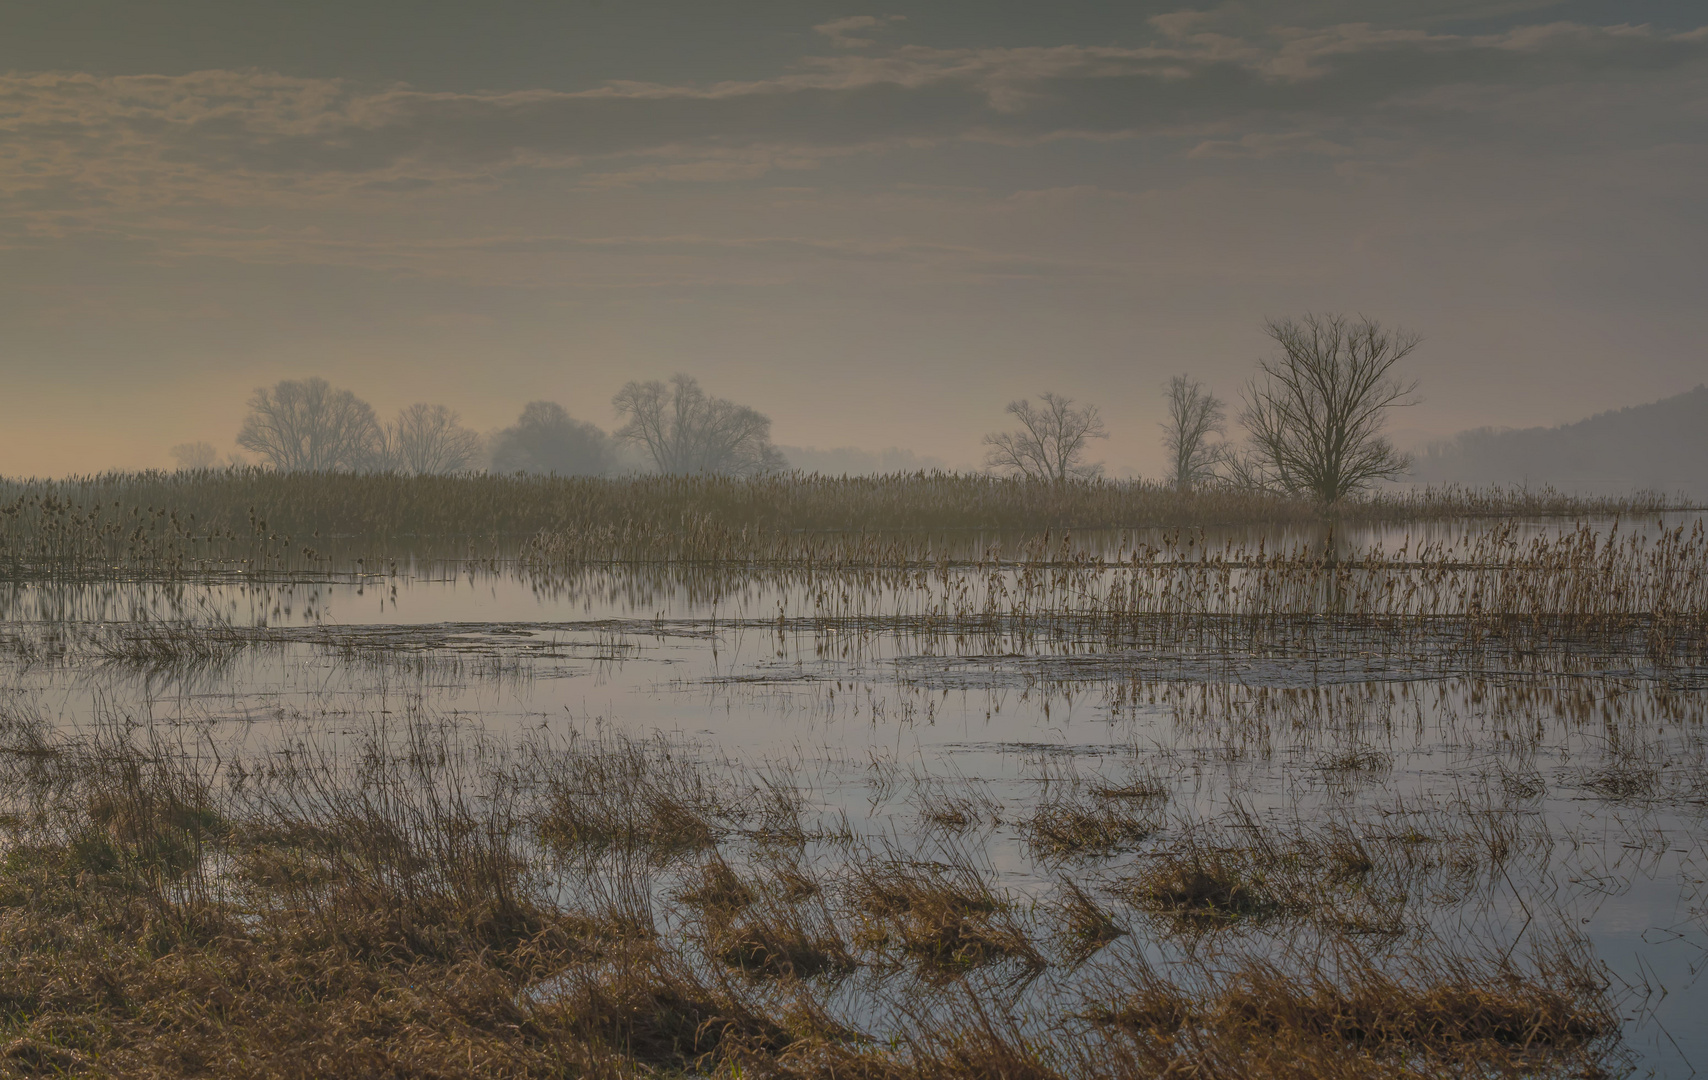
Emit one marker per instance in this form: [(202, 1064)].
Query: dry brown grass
[(388, 910), (953, 804), (1062, 827), (943, 913), (1203, 884), (178, 524), (1376, 874), (717, 887), (639, 796), (1261, 1017), (1083, 817), (781, 938), (1085, 925)]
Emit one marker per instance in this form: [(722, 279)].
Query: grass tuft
[(945, 914)]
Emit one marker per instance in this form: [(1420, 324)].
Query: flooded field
[(1282, 800)]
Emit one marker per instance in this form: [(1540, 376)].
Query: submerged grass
[(1446, 1014), (946, 914), (397, 908), (1062, 827), (417, 902), (1085, 925), (623, 794)]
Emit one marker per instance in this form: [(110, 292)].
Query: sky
[(876, 224)]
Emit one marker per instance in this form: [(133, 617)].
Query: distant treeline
[(1313, 417), (1662, 446)]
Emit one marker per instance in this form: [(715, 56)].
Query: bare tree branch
[(1315, 413), (305, 425), (429, 439), (1194, 414), (684, 430), (1050, 443)]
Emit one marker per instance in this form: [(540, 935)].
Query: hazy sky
[(876, 224)]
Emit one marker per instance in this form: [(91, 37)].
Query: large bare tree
[(1194, 414), (427, 439), (684, 430), (1315, 413), (308, 425), (1050, 443)]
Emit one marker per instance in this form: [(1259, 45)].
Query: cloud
[(535, 260), (1263, 144), (78, 147), (839, 30)]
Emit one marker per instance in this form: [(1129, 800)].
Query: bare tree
[(546, 439), (1050, 443), (306, 425), (429, 439), (1194, 414), (1242, 467), (195, 455), (685, 431), (1315, 413)]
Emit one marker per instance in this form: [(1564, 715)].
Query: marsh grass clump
[(1348, 856), (1145, 786), (777, 937), (1085, 926), (640, 796), (716, 886), (786, 874), (955, 804), (1627, 772), (1079, 817), (649, 1009), (776, 924), (1522, 783), (1265, 1017), (945, 914), (777, 816), (1345, 874), (164, 644), (1623, 781), (1202, 884), (983, 1042), (1356, 761), (1077, 826)]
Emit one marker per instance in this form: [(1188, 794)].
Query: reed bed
[(252, 520), (1627, 593)]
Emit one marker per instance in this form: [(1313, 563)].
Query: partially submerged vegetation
[(411, 905), (1259, 881), (1445, 1016)]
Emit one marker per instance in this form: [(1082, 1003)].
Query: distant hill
[(1662, 446)]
